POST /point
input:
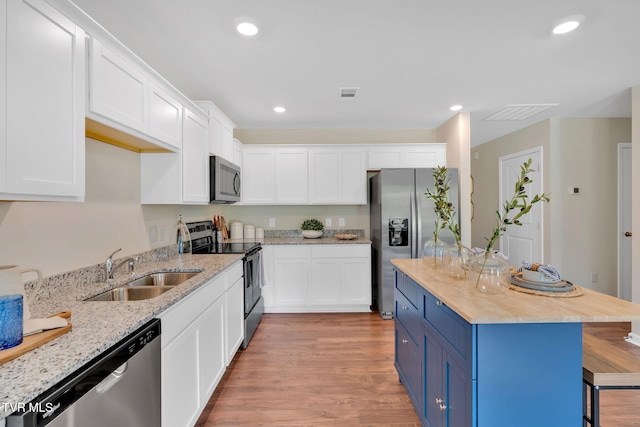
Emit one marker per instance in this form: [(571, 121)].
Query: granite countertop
[(96, 325), (516, 307)]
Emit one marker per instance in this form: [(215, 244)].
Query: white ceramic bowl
[(311, 234), (536, 276)]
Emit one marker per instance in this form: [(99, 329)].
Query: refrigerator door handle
[(419, 242), (413, 232)]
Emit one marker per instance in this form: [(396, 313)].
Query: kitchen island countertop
[(96, 325), (516, 307)]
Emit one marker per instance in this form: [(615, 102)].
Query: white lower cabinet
[(317, 278), (234, 322), (194, 346)]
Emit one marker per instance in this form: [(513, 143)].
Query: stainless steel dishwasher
[(121, 387)]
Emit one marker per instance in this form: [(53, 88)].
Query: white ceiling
[(412, 59)]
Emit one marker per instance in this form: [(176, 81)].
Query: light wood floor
[(337, 369)]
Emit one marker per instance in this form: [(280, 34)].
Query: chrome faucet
[(110, 266)]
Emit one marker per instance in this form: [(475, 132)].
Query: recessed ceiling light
[(568, 24), (247, 29), (455, 108), (279, 109)]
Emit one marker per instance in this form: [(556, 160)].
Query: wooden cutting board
[(32, 341)]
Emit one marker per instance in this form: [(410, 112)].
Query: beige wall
[(579, 230), (58, 237), (456, 133), (584, 226), (335, 136)]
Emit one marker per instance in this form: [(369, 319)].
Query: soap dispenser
[(183, 237)]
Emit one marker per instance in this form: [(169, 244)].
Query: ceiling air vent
[(347, 94), (518, 111)]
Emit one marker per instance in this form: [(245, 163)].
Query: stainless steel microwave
[(224, 181)]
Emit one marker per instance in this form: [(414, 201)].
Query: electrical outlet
[(153, 234), (327, 222), (272, 222), (594, 277), (341, 222), (162, 231)]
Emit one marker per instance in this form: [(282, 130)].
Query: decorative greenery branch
[(443, 208), (518, 206), (517, 203)]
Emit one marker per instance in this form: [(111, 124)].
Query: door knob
[(627, 234)]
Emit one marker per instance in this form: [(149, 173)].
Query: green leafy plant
[(514, 208), (443, 208), (311, 224)]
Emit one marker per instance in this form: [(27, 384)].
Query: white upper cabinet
[(258, 175), (237, 152), (220, 131), (42, 147), (407, 156), (128, 101), (303, 175), (292, 176), (337, 175), (195, 160), (118, 90), (165, 116), (179, 178)]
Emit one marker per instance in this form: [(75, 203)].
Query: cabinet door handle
[(439, 303), (404, 307), (404, 341), (438, 401), (443, 407)]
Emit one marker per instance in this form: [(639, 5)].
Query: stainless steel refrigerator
[(402, 220)]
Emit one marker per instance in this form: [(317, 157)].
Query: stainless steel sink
[(163, 279), (145, 287), (127, 293)]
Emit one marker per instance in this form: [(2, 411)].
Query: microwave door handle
[(236, 183)]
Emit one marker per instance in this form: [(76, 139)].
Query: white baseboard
[(633, 338)]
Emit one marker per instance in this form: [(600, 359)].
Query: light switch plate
[(341, 222), (272, 222), (327, 222)]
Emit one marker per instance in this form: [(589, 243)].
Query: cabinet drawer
[(181, 314), (291, 251), (409, 366), (340, 251), (453, 328), (232, 275), (410, 289), (409, 316)]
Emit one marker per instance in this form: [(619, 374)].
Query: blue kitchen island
[(472, 359)]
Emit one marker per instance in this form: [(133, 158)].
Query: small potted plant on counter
[(311, 228)]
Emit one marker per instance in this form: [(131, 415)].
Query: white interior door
[(522, 243), (624, 221)]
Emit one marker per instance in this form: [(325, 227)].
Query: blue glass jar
[(10, 321)]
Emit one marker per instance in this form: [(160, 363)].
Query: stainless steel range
[(203, 242)]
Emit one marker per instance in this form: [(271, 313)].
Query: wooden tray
[(36, 340)]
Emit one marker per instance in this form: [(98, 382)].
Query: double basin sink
[(145, 287)]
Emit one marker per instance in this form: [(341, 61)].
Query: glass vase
[(490, 273), (455, 261), (432, 252)]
